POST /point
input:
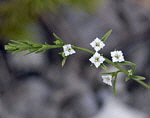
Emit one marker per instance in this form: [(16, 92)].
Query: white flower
[(97, 44), (117, 56), (97, 59), (107, 79), (68, 50)]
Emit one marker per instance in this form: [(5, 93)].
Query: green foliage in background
[(16, 15)]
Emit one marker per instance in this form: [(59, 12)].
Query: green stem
[(53, 46), (143, 83), (117, 66), (83, 49)]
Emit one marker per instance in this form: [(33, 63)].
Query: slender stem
[(83, 49), (54, 46), (117, 66), (143, 83)]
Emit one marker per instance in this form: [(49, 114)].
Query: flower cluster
[(97, 59)]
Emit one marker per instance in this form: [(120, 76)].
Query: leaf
[(58, 41), (63, 61), (103, 67), (25, 42), (130, 64), (36, 45), (62, 54), (31, 51), (11, 44), (105, 37), (15, 41), (112, 73), (56, 37), (43, 48), (91, 64), (10, 48), (127, 79), (138, 77)]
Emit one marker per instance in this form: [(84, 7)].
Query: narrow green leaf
[(16, 51), (11, 44), (10, 48), (138, 78), (64, 61), (36, 45), (31, 51), (103, 67), (127, 79), (62, 54), (40, 50), (56, 37), (43, 48), (105, 37), (130, 64), (91, 64), (25, 42), (15, 41), (110, 73), (58, 41)]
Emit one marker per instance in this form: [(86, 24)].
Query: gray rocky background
[(36, 86)]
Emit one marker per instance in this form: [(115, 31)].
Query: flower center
[(96, 59), (68, 49), (117, 56), (107, 79), (97, 44)]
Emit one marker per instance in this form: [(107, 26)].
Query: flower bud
[(58, 42)]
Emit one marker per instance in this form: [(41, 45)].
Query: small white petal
[(117, 56), (107, 79), (68, 50), (97, 59), (97, 64), (97, 44)]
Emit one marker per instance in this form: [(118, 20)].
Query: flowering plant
[(97, 59)]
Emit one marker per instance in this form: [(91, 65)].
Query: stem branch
[(113, 64)]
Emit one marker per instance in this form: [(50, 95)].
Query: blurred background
[(36, 86)]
